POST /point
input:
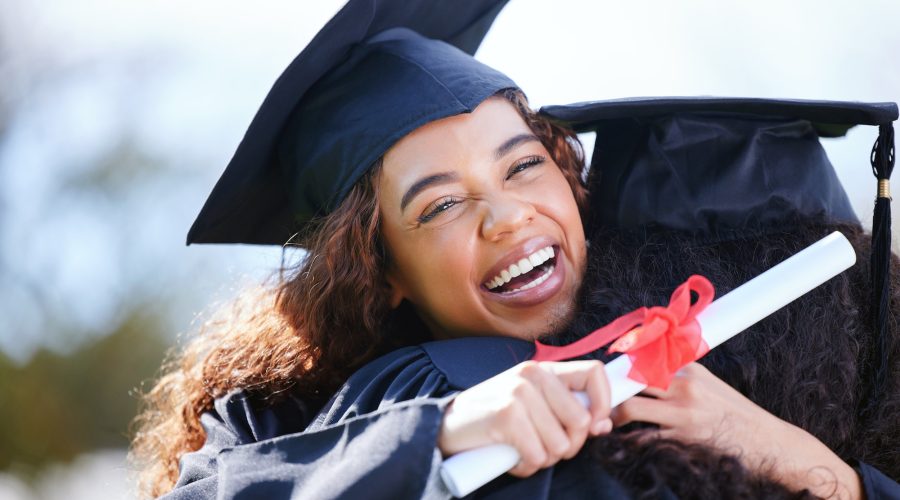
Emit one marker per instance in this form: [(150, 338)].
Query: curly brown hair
[(306, 332)]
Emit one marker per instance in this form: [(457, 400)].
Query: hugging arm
[(699, 407), (375, 439)]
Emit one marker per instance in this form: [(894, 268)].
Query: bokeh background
[(116, 118)]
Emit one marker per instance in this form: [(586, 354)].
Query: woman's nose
[(504, 216)]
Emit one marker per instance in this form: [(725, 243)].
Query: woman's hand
[(699, 407), (530, 407)]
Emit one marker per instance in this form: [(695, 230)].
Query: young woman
[(458, 218)]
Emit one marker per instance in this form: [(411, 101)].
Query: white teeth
[(542, 278), (523, 266)]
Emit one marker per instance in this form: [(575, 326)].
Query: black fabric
[(709, 173), (255, 202), (876, 485), (377, 437)]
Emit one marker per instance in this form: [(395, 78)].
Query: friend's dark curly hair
[(810, 363)]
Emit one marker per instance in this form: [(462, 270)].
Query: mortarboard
[(378, 70), (714, 166)]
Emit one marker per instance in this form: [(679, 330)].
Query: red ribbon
[(659, 340)]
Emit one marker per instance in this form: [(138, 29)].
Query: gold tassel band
[(884, 188)]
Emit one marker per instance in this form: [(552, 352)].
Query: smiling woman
[(456, 215), (456, 205)]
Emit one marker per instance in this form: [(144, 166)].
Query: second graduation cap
[(713, 166)]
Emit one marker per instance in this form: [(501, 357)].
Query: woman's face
[(482, 229)]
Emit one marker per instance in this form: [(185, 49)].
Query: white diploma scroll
[(724, 318)]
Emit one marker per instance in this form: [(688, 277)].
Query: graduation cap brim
[(708, 164), (831, 118), (247, 205)]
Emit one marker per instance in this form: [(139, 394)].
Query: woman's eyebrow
[(426, 182), (445, 177), (511, 143)]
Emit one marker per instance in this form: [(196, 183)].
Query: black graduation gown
[(377, 437)]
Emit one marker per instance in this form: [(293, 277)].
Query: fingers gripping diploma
[(698, 407), (532, 408)]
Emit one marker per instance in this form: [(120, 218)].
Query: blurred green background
[(116, 118), (58, 406)]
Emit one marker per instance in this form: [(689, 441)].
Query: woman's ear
[(395, 289)]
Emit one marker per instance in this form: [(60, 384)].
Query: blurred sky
[(172, 85)]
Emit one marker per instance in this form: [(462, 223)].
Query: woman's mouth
[(530, 281), (525, 274)]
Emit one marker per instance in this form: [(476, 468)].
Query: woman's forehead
[(444, 143)]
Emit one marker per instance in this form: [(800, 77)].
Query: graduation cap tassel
[(882, 165)]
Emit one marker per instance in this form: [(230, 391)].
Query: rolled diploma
[(724, 318)]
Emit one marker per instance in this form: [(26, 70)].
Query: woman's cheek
[(447, 260)]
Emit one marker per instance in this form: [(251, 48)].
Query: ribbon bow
[(659, 340)]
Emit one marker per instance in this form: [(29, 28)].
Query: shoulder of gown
[(876, 484)]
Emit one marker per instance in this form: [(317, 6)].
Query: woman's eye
[(436, 208), (525, 164)]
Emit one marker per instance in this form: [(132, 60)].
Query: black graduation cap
[(378, 70), (717, 165)]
